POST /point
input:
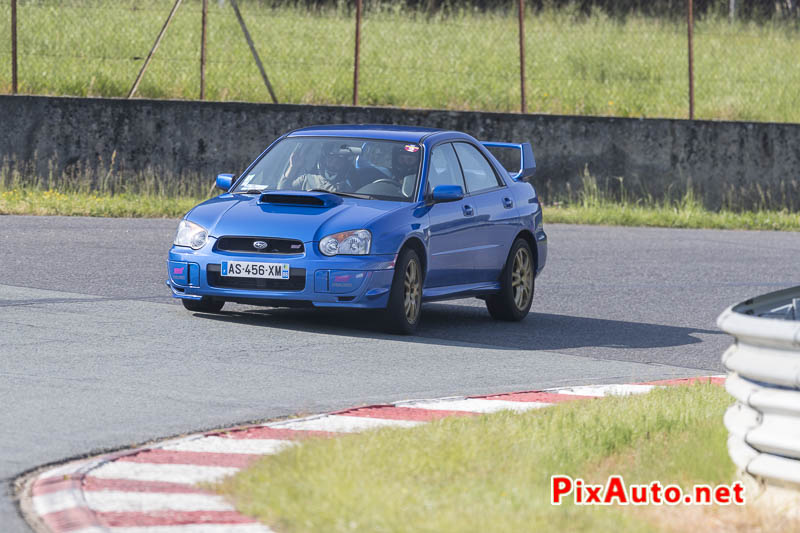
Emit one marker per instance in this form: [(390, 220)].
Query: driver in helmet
[(406, 165), (301, 161), (332, 173)]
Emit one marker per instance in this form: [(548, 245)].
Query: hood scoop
[(300, 198)]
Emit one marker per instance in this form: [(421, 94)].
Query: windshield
[(383, 170)]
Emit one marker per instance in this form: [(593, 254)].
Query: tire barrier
[(764, 376)]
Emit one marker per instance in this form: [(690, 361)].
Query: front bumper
[(317, 280)]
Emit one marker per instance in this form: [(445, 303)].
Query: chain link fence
[(577, 61)]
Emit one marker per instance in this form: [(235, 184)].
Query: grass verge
[(670, 216), (29, 201), (685, 214), (492, 472)]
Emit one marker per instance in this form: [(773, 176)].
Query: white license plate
[(246, 269)]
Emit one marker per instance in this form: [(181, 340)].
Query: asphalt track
[(95, 355)]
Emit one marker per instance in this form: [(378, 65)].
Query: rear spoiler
[(517, 159)]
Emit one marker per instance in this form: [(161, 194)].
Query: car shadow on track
[(461, 325)]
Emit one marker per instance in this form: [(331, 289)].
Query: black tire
[(204, 305), (514, 300), (405, 298)]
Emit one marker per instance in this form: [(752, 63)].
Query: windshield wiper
[(346, 194), (251, 191)]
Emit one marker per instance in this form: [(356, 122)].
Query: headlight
[(191, 235), (356, 242)]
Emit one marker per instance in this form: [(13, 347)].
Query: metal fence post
[(203, 53), (523, 103), (357, 52), (252, 46), (155, 47), (690, 30), (14, 85)]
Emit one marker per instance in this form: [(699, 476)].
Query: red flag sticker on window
[(411, 148)]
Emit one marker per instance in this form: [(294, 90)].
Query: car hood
[(239, 214)]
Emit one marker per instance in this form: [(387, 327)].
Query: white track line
[(346, 424), (147, 502), (605, 390), (473, 405), (226, 445), (64, 470), (52, 502), (172, 473), (193, 528)]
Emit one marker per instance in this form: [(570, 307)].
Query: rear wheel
[(405, 297), (514, 300), (204, 305)]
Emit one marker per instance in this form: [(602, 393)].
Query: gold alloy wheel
[(412, 292), (522, 278)]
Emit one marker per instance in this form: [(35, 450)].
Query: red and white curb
[(153, 489)]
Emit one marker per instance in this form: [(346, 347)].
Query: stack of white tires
[(764, 376)]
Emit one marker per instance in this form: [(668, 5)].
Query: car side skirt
[(453, 292)]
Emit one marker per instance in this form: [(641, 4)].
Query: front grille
[(296, 281), (274, 245)]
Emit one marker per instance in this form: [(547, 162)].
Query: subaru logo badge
[(260, 245)]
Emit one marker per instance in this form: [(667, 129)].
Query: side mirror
[(224, 181), (447, 193)]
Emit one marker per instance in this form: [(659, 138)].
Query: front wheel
[(405, 297), (204, 305), (514, 300)]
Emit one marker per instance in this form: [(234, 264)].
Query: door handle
[(468, 211), (508, 203)]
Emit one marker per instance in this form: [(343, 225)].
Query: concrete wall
[(744, 162)]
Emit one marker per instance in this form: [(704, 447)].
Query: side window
[(478, 173), (444, 168)]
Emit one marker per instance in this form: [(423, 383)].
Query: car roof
[(368, 131)]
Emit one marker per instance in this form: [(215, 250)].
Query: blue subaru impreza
[(371, 217)]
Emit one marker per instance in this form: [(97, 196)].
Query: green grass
[(28, 200), (462, 60), (99, 192), (52, 202), (153, 194), (593, 204), (670, 216), (491, 473)]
